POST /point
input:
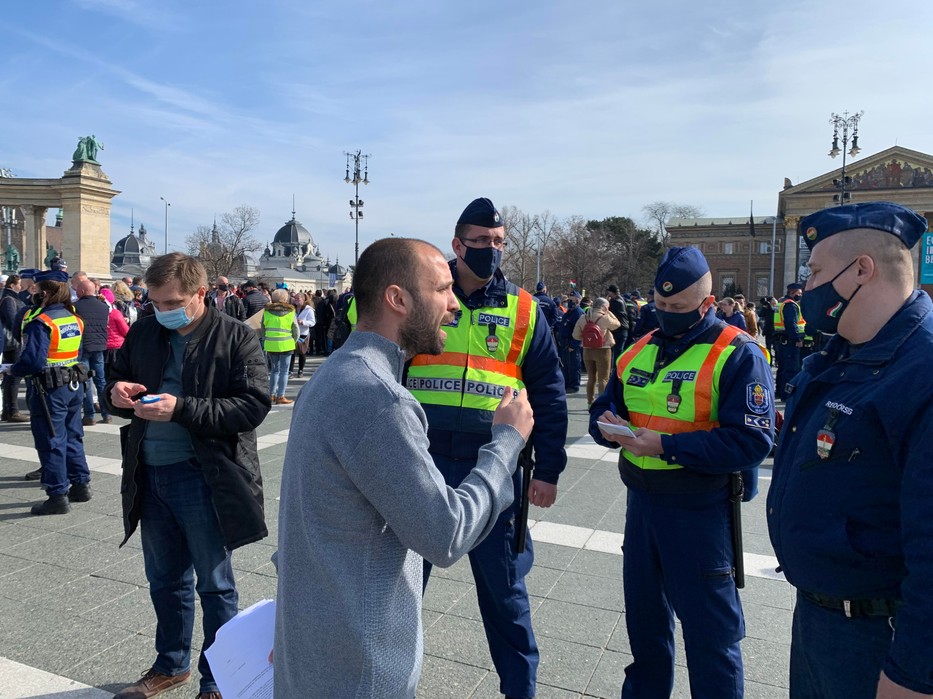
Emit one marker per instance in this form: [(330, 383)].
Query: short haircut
[(12, 280), (189, 272), (279, 296), (600, 302), (384, 263), (892, 258), (460, 230)]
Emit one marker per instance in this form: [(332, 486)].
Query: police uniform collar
[(495, 288), (882, 348)]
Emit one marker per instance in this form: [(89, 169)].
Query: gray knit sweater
[(361, 504)]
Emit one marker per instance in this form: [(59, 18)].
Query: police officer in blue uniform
[(49, 360), (456, 434), (849, 509), (699, 396), (788, 335)]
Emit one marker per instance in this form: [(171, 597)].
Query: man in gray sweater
[(361, 499)]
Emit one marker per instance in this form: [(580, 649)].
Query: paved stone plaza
[(76, 621)]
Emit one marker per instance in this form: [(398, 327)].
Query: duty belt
[(854, 608), (72, 376)]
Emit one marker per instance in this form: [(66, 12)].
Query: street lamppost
[(165, 250), (8, 220), (845, 123), (359, 161)]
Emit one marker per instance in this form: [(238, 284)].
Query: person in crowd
[(117, 329), (849, 507), (253, 299), (123, 301), (618, 309), (647, 319), (571, 350), (699, 397), (594, 330), (731, 314), (77, 279), (96, 316), (751, 317), (10, 319), (191, 476), (27, 285), (546, 304), (362, 500), (279, 331), (305, 319), (226, 301), (789, 332), (499, 342), (767, 308), (49, 361), (324, 315)]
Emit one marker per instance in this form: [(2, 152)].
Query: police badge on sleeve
[(757, 398)]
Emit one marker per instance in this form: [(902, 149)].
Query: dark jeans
[(571, 367), (181, 537), (95, 362), (62, 455), (10, 386), (834, 657), (301, 361)]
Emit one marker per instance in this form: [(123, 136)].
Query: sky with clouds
[(580, 108)]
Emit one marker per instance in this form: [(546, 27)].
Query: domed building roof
[(292, 232), (133, 252), (127, 246)]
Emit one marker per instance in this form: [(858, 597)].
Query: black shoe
[(80, 492), (88, 421), (15, 417), (105, 420), (55, 505), (34, 475)]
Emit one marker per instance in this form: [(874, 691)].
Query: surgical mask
[(483, 262), (674, 324), (822, 306), (174, 319)]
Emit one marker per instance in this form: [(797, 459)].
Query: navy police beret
[(480, 212), (678, 269), (794, 286), (28, 273), (885, 216), (540, 286), (51, 275)]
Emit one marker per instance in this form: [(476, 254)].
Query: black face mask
[(223, 287), (483, 262), (822, 306), (675, 324)]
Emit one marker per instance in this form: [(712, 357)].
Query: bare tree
[(658, 213), (521, 232), (221, 248)]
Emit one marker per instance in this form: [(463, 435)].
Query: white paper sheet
[(239, 656)]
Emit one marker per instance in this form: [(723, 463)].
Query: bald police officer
[(849, 507), (699, 395)]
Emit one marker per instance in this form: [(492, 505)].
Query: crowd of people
[(448, 377)]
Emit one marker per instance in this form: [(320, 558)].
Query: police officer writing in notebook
[(699, 396), (849, 507)]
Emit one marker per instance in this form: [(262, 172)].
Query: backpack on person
[(593, 337)]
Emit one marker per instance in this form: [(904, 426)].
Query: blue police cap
[(793, 286), (480, 212), (885, 216), (540, 286), (678, 269), (51, 275), (28, 273)]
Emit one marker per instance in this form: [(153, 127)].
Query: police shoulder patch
[(762, 423), (757, 398)]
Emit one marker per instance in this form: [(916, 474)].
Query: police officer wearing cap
[(789, 331), (49, 359), (499, 340), (849, 507), (698, 395)]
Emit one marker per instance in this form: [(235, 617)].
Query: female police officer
[(51, 342)]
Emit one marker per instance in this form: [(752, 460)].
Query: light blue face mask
[(175, 319)]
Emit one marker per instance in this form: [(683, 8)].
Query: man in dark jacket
[(571, 351), (546, 304), (95, 314), (191, 473), (10, 306), (253, 299), (225, 300), (618, 309)]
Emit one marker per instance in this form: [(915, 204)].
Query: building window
[(762, 282), (727, 284), (728, 248), (764, 248)]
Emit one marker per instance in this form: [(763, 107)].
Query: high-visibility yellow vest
[(65, 342), (779, 318), (351, 312), (29, 316), (277, 332), (682, 396), (461, 388)]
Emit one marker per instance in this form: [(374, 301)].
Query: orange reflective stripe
[(703, 396), (668, 425), (629, 354), (522, 321), (463, 359)]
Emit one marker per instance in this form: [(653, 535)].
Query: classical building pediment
[(896, 168)]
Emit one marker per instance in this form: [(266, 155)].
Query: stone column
[(790, 251), (33, 236), (86, 193)]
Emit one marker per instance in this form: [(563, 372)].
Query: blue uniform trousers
[(834, 657), (570, 366), (788, 356), (678, 559), (62, 456), (499, 574)]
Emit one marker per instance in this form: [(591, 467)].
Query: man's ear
[(865, 269), (397, 299)]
